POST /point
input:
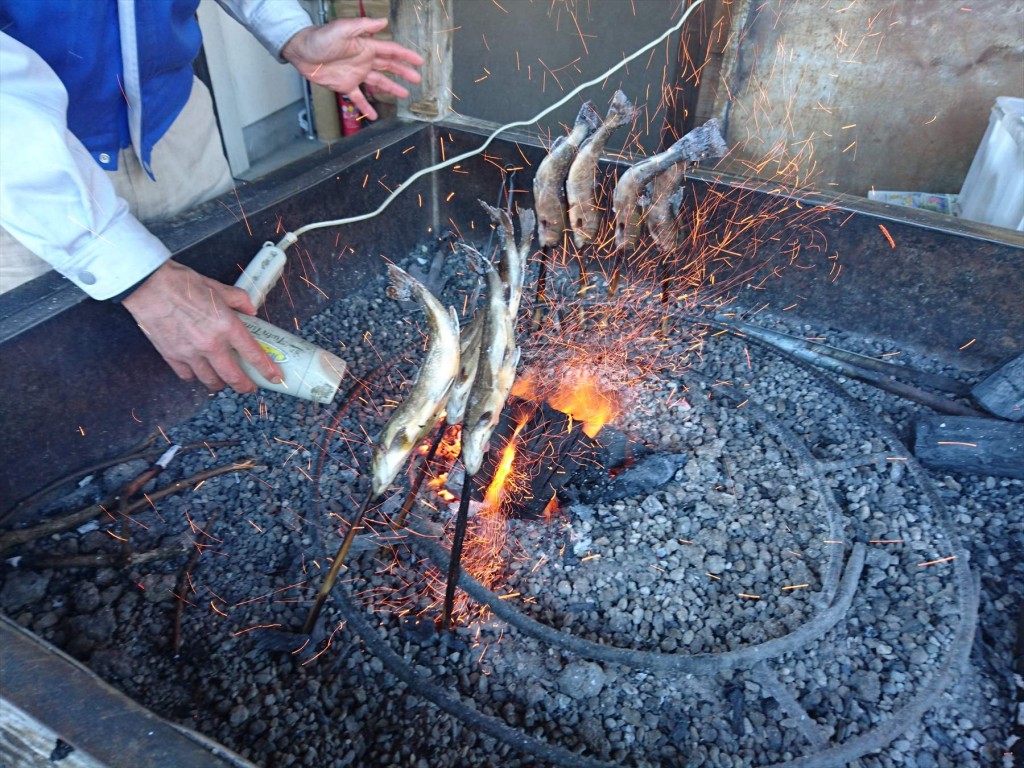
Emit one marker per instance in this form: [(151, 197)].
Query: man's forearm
[(54, 199)]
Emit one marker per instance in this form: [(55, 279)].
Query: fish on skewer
[(549, 181), (482, 410), (512, 267), (662, 219), (699, 144), (665, 225), (495, 375), (469, 356), (454, 409), (497, 337), (581, 187), (412, 420), (512, 271)]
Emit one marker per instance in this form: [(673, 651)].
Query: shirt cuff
[(113, 262), (277, 23)]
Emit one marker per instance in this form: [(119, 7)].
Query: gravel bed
[(756, 486)]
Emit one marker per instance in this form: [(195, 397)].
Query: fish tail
[(400, 283), (701, 143), (620, 110), (527, 223), (500, 218), (588, 114), (477, 261), (491, 210)]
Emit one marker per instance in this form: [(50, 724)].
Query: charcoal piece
[(617, 450), (61, 750), (647, 475), (550, 450)]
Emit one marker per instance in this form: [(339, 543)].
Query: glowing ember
[(445, 456)]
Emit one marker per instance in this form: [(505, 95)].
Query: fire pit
[(784, 585)]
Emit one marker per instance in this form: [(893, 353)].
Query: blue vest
[(81, 41)]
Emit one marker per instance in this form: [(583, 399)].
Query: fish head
[(475, 439), (388, 457), (549, 232)]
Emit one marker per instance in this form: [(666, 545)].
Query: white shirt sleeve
[(54, 198), (272, 22)]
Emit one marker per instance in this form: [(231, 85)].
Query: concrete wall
[(513, 58), (844, 94), (890, 94), (249, 86)]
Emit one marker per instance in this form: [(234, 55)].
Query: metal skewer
[(455, 563)]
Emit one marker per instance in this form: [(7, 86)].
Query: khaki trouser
[(189, 168)]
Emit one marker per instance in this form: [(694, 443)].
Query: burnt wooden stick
[(805, 351), (665, 278), (124, 496), (75, 519), (542, 284), (421, 475), (102, 559), (145, 452), (921, 378), (967, 444), (455, 562), (332, 573), (1002, 392)]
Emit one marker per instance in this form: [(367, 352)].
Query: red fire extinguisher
[(350, 122)]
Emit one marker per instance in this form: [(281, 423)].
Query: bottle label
[(275, 354)]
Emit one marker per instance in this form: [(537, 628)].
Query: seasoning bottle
[(310, 373)]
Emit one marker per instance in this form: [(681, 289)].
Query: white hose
[(291, 237)]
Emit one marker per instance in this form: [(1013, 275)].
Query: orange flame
[(585, 401), (579, 394), (493, 497)]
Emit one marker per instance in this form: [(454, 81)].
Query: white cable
[(291, 237)]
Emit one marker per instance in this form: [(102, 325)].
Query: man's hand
[(342, 54), (189, 319)]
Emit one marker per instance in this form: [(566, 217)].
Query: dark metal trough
[(82, 384)]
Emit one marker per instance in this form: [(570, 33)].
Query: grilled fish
[(662, 215), (549, 181), (413, 419), (485, 397), (581, 187), (513, 265), (469, 356), (699, 144)]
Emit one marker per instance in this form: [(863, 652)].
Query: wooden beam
[(426, 26)]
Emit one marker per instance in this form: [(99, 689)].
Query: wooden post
[(426, 26)]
